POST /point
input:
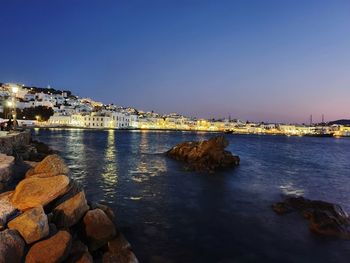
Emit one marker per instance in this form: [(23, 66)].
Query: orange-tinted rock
[(206, 156), (53, 250), (99, 229), (52, 165), (71, 211), (11, 246), (32, 224), (34, 192)]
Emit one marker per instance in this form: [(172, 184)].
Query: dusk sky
[(254, 60)]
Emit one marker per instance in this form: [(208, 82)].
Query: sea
[(170, 214)]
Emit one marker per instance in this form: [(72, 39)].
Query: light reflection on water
[(170, 215)]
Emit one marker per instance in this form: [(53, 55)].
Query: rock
[(324, 218), (79, 253), (108, 211), (33, 192), (206, 156), (52, 165), (32, 224), (52, 250), (71, 211), (6, 166), (118, 244), (125, 256), (84, 258), (11, 246), (30, 172), (119, 250), (99, 229), (6, 208), (73, 189)]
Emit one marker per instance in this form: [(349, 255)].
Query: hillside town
[(48, 107)]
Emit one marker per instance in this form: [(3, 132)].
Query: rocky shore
[(46, 218), (324, 218), (205, 156)]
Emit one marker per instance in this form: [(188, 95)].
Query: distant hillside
[(340, 122), (47, 90)]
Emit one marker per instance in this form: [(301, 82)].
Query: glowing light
[(14, 89)]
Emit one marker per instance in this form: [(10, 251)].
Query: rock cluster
[(205, 156), (48, 219), (324, 218)]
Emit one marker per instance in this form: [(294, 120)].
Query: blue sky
[(256, 60)]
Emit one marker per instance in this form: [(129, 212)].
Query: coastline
[(45, 217)]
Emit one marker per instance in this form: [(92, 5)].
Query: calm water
[(171, 215)]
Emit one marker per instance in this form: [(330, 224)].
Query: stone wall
[(11, 140)]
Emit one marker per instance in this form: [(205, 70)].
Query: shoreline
[(178, 130)]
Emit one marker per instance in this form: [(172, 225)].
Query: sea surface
[(172, 215)]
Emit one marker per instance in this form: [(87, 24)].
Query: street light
[(14, 89)]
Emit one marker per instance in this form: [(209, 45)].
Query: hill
[(340, 122)]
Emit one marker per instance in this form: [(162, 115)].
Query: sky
[(276, 61)]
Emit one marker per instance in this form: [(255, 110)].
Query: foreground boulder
[(53, 250), (324, 218), (34, 192), (32, 224), (11, 246), (71, 211), (52, 165), (206, 156), (99, 229)]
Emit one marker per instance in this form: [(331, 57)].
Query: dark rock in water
[(324, 218), (206, 156)]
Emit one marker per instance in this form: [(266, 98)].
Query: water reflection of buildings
[(110, 171), (76, 149), (147, 166)]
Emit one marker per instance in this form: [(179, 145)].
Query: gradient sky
[(256, 60)]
